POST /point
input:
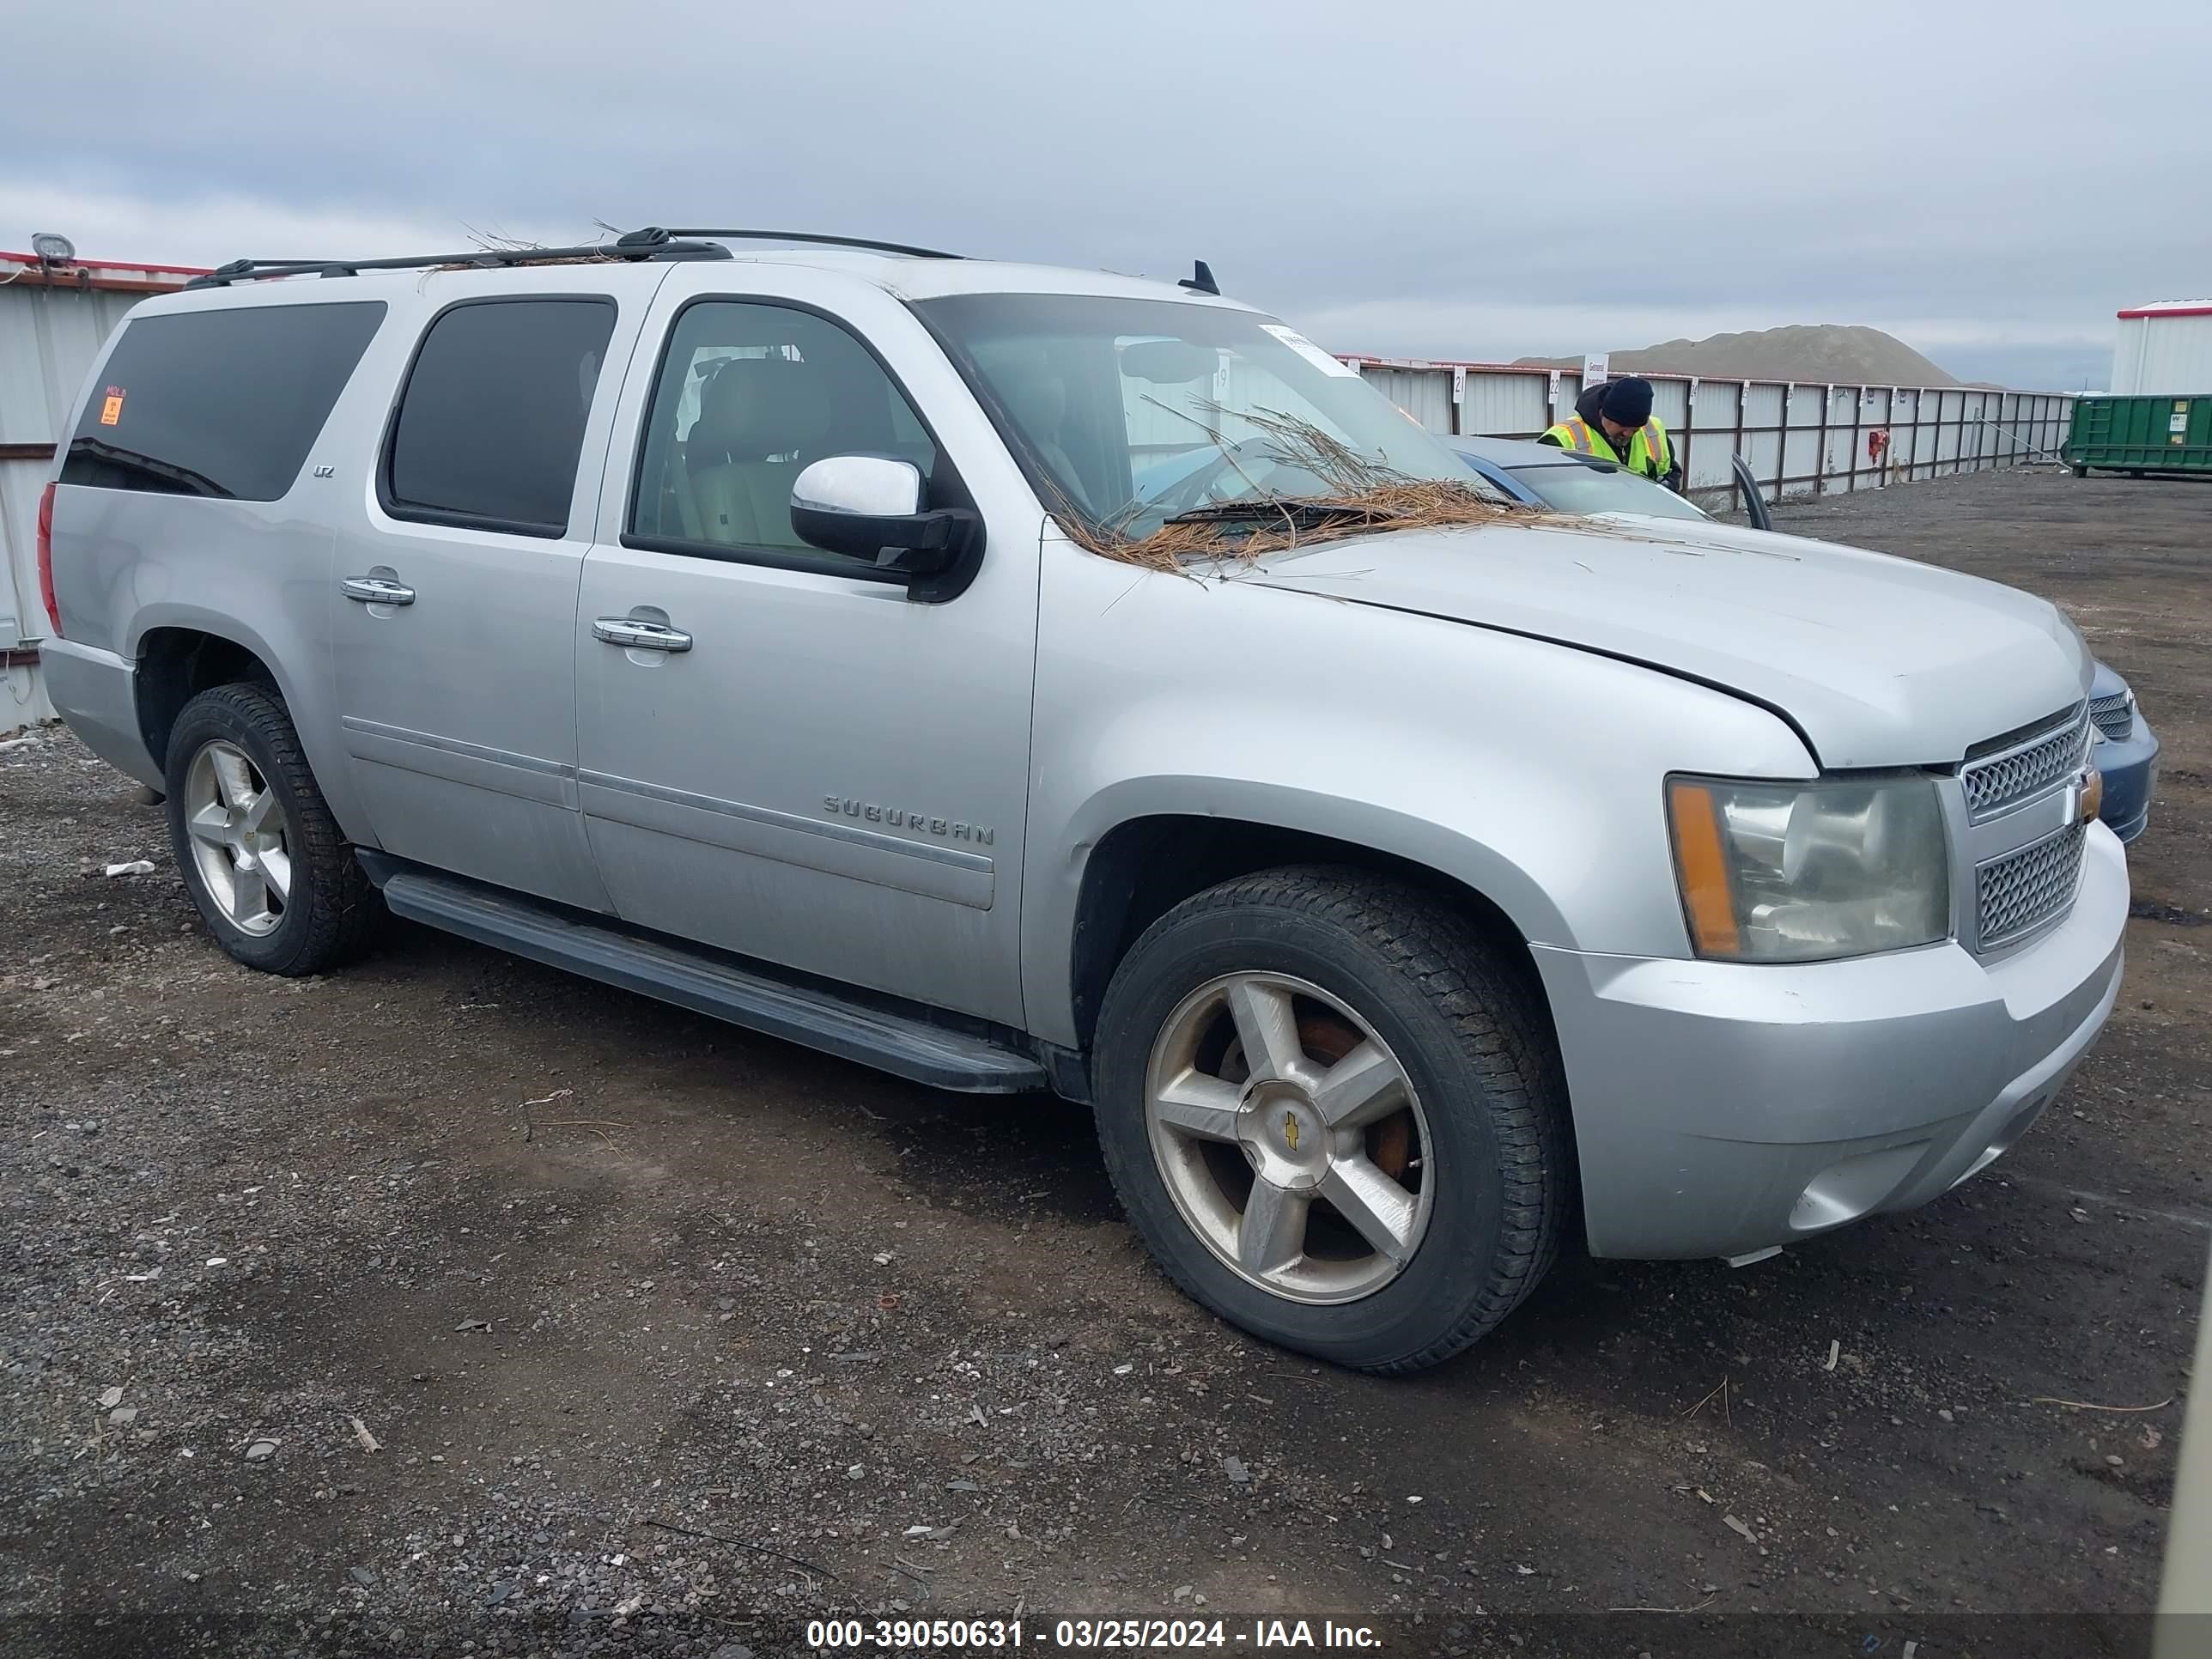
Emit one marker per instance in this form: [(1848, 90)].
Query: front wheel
[(1334, 1113), (264, 861)]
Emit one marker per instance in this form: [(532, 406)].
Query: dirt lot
[(447, 1306)]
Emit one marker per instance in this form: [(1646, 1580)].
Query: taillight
[(46, 559)]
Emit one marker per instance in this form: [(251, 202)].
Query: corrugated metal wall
[(1423, 394), (1801, 438), (2166, 356), (50, 332)]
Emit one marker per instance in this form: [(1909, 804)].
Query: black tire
[(1473, 1040), (331, 915)]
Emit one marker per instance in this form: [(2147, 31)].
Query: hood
[(1879, 661)]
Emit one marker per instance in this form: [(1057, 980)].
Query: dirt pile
[(1817, 352)]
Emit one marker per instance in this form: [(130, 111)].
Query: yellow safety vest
[(1648, 449)]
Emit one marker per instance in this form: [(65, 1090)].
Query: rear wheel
[(264, 859), (1332, 1113)]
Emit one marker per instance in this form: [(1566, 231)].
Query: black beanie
[(1628, 402)]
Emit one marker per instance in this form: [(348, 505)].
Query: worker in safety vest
[(1612, 422)]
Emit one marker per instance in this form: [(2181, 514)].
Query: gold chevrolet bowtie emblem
[(1291, 1133)]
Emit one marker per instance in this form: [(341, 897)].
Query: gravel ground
[(454, 1306)]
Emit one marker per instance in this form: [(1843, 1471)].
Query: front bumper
[(1721, 1108), (2131, 770)]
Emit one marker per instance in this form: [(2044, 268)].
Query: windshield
[(1578, 487), (1133, 411)]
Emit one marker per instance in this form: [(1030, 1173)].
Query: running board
[(896, 1043)]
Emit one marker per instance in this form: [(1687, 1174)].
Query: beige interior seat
[(761, 421)]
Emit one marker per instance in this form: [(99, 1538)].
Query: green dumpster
[(2141, 434)]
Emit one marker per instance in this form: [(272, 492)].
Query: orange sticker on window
[(111, 409)]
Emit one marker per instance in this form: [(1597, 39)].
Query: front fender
[(1527, 771), (1385, 827)]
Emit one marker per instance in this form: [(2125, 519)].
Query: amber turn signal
[(1702, 868)]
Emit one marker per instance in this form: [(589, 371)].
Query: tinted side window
[(748, 396), (221, 403), (491, 420)]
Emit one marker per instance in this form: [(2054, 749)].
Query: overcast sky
[(1989, 182)]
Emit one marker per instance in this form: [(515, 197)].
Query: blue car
[(2126, 749), (2127, 754)]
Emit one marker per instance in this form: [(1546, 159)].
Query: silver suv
[(881, 649)]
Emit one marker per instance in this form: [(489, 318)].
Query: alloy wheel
[(239, 838), (1290, 1136)]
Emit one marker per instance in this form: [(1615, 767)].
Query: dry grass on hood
[(1306, 522), (1359, 497)]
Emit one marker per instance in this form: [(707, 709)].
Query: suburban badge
[(900, 818)]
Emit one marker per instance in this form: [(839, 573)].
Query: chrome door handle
[(639, 634), (377, 590)]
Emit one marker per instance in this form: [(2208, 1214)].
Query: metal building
[(2164, 349), (55, 315)]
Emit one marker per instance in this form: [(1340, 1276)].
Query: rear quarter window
[(490, 424), (223, 403)]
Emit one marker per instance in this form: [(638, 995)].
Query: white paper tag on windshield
[(1307, 349)]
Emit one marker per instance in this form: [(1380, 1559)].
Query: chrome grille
[(2115, 716), (2017, 892), (2027, 768)]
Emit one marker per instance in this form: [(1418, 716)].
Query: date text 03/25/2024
[(1102, 1635)]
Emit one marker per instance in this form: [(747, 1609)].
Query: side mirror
[(1754, 503), (869, 507)]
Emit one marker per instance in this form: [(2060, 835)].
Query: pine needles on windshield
[(1308, 522), (1360, 496)]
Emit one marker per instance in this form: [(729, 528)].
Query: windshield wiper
[(1261, 509)]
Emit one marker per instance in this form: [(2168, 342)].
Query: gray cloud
[(1991, 182)]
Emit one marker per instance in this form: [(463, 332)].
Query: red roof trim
[(2204, 310), (110, 265)]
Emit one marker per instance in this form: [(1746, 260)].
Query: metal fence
[(1799, 437)]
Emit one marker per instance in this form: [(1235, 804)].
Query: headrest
[(755, 407)]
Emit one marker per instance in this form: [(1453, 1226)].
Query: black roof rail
[(824, 241), (651, 243)]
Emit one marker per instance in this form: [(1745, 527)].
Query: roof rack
[(651, 243), (824, 241)]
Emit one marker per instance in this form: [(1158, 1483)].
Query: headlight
[(1803, 872)]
